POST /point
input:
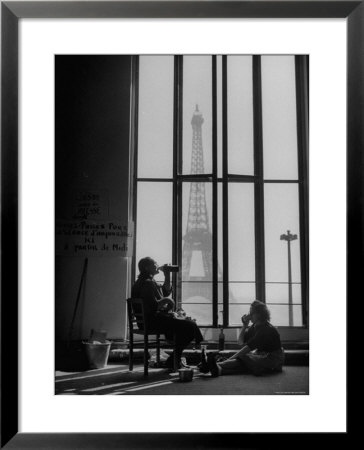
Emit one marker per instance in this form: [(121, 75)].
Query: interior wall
[(92, 126)]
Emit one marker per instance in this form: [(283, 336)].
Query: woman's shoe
[(183, 364)]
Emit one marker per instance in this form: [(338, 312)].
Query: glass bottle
[(203, 354), (221, 339)]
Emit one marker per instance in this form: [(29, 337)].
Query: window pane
[(280, 315), (155, 133), (196, 292), (197, 114), (241, 292), (201, 313), (279, 117), (236, 312), (154, 222), (196, 232), (278, 293), (240, 115), (241, 232), (281, 214)]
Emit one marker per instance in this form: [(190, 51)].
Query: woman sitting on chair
[(158, 308)]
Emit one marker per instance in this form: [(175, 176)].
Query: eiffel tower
[(197, 246)]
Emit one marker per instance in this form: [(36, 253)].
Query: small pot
[(185, 374)]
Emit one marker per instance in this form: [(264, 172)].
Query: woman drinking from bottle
[(261, 350), (158, 307)]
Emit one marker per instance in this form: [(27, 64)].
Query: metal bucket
[(97, 354), (185, 374)]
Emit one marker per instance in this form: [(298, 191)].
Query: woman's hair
[(143, 265), (261, 310)]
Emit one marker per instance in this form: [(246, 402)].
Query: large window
[(221, 181)]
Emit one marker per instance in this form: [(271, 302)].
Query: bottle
[(203, 366), (221, 339), (203, 354), (169, 268)]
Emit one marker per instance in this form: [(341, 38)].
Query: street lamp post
[(289, 237)]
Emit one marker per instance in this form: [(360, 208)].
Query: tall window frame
[(257, 179)]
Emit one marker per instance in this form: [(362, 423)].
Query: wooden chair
[(136, 324)]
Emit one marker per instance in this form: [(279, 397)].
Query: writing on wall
[(90, 204), (94, 238)]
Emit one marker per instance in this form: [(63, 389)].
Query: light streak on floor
[(95, 375), (107, 386), (149, 386)]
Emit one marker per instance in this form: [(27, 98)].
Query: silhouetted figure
[(159, 308), (261, 350)]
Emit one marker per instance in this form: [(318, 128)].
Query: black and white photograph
[(181, 221), (181, 224)]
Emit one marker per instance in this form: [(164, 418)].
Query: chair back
[(136, 313)]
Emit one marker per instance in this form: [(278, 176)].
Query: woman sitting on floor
[(261, 350)]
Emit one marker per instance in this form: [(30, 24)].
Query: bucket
[(185, 374), (97, 354)]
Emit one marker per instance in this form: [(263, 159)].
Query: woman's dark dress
[(184, 330)]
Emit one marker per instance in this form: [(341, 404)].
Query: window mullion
[(177, 185), (134, 159), (259, 184), (214, 197), (225, 211), (301, 70)]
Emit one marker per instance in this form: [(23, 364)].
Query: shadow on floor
[(117, 380)]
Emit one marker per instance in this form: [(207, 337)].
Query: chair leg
[(145, 355), (175, 362), (158, 350), (131, 353)]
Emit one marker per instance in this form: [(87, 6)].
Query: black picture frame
[(11, 12)]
